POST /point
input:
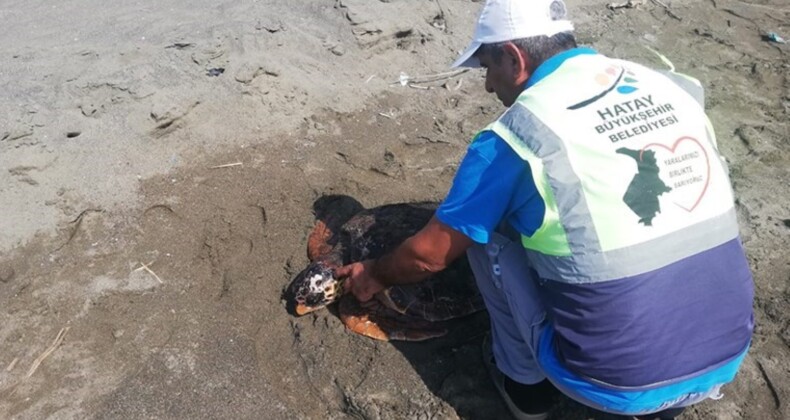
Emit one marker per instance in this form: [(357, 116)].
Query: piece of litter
[(774, 37), (228, 165), (403, 79), (215, 71), (406, 80)]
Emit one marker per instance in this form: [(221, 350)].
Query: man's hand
[(359, 280)]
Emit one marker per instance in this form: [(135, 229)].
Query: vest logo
[(624, 82), (688, 168), (685, 167), (643, 191)]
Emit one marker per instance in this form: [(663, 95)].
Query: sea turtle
[(345, 232)]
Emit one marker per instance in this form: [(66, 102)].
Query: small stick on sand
[(763, 6), (669, 11), (386, 115), (48, 351), (228, 165), (12, 365), (145, 267), (432, 77), (412, 85), (630, 4)]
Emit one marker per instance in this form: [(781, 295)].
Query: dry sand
[(114, 115)]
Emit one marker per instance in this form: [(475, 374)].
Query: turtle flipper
[(331, 212), (318, 241), (381, 323)]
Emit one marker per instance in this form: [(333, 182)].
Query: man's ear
[(518, 61)]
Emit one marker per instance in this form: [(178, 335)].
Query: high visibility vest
[(626, 162)]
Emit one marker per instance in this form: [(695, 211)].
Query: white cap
[(506, 20)]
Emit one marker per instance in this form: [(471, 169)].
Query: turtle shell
[(449, 294)]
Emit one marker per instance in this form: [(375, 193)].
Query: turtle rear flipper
[(443, 308), (331, 212), (381, 323)]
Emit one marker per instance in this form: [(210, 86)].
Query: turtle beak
[(302, 309)]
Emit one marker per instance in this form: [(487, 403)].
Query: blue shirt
[(493, 184)]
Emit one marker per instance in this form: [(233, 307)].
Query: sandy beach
[(159, 162)]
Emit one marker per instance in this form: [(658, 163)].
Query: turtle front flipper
[(331, 212), (381, 323), (318, 241)]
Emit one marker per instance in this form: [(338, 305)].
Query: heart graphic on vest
[(685, 169)]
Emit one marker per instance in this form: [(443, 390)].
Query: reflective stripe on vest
[(626, 163)]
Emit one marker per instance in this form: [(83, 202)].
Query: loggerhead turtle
[(345, 232)]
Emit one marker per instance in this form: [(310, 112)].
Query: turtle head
[(312, 289)]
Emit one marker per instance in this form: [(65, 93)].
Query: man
[(598, 218)]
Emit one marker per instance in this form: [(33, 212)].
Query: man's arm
[(429, 251), (491, 182)]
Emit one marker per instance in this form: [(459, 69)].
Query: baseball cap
[(506, 20)]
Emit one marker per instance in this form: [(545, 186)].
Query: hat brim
[(468, 59)]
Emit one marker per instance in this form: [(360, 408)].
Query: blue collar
[(554, 63)]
